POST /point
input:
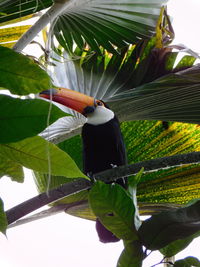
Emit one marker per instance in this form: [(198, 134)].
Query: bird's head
[(94, 110)]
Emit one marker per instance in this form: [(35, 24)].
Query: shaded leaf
[(11, 169), (177, 246), (37, 154), (163, 228), (114, 208), (132, 255), (3, 219), (187, 262), (25, 118), (20, 74)]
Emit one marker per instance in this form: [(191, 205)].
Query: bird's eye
[(99, 103)]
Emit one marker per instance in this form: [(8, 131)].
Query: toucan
[(103, 145)]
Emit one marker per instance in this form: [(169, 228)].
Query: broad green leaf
[(163, 228), (3, 219), (11, 169), (20, 74), (37, 154), (132, 255), (114, 208), (24, 118), (187, 262), (73, 147), (178, 245)]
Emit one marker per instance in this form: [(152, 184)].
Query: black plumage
[(103, 148)]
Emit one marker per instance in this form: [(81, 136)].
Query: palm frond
[(109, 24), (9, 36), (13, 9)]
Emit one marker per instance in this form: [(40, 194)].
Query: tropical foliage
[(117, 51)]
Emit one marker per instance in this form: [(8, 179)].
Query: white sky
[(66, 241)]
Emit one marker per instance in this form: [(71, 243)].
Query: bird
[(103, 144)]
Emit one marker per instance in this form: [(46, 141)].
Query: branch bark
[(110, 175)]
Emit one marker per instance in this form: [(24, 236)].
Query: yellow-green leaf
[(37, 154)]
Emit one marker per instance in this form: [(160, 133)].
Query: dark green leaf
[(3, 219), (187, 262), (37, 154), (176, 246), (20, 74), (163, 228), (131, 256), (115, 209), (73, 147), (11, 169), (24, 118)]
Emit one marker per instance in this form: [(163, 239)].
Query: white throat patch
[(101, 115)]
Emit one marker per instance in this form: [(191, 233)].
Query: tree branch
[(43, 199), (47, 212), (110, 175), (149, 166)]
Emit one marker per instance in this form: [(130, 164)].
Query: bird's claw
[(91, 176)]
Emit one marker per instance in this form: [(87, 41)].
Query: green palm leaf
[(12, 9), (109, 24)]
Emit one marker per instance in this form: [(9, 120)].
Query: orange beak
[(69, 98)]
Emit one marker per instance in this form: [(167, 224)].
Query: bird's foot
[(91, 176), (113, 165)]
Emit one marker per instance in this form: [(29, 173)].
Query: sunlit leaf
[(8, 36), (25, 118), (3, 220), (37, 154), (11, 169), (20, 74)]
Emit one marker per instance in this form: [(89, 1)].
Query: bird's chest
[(100, 147)]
